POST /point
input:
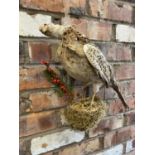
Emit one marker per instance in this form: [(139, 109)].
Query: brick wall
[(110, 25)]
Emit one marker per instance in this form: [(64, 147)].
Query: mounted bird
[(82, 60)]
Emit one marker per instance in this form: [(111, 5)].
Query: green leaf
[(47, 75)]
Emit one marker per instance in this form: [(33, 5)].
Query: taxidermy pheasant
[(82, 60)]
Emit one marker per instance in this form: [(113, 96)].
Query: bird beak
[(52, 29), (44, 29)]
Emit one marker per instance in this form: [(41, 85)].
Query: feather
[(82, 60), (118, 91), (98, 61), (103, 68)]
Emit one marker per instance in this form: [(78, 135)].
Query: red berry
[(58, 81), (54, 81), (63, 88), (44, 62)]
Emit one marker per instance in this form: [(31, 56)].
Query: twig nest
[(82, 115)]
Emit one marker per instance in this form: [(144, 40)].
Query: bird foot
[(92, 101)]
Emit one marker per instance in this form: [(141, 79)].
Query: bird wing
[(99, 62), (73, 40)]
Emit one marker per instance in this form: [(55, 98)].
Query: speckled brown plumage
[(82, 60)]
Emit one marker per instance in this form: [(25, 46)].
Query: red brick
[(117, 52), (115, 107), (90, 28), (90, 146), (33, 77), (116, 137), (62, 6), (107, 124), (95, 8), (110, 139), (80, 24), (118, 11), (124, 71), (129, 118), (38, 122), (127, 88), (84, 148), (78, 93), (48, 5), (24, 104), (101, 93), (43, 51), (39, 101), (82, 3), (99, 30), (74, 4), (131, 102), (46, 100), (72, 150), (39, 51), (123, 53), (24, 147), (110, 94), (21, 52), (125, 134)]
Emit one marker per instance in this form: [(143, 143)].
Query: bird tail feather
[(118, 91)]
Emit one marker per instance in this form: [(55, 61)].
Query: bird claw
[(92, 102)]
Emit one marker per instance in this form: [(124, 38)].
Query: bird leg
[(96, 88), (92, 101)]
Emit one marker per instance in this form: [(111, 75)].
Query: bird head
[(53, 29), (45, 29)]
